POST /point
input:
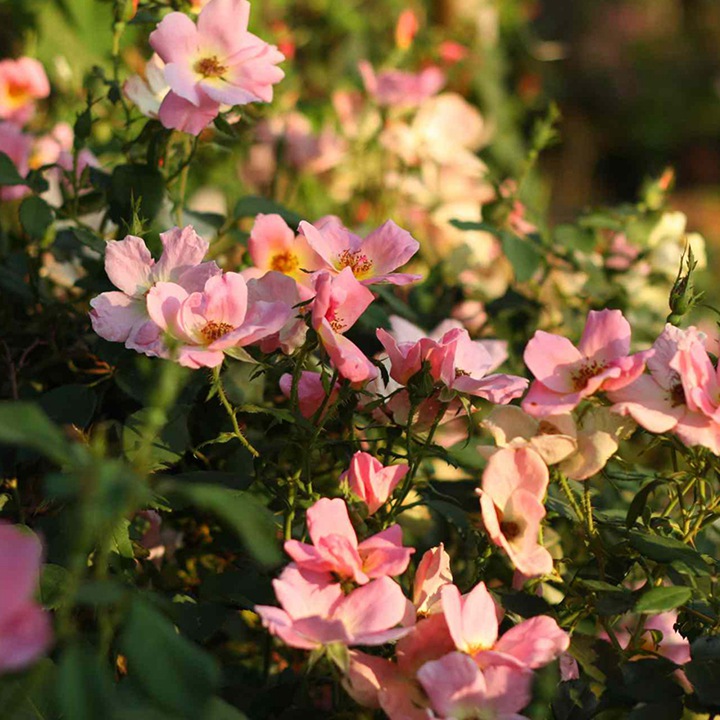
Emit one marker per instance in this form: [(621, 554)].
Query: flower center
[(357, 261), (210, 67), (589, 369), (336, 323), (284, 262), (677, 394), (214, 330), (510, 529), (547, 428)]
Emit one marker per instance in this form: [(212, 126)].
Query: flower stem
[(231, 413)]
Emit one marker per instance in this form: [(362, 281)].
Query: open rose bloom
[(213, 63)]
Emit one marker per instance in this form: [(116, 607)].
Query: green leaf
[(523, 256), (36, 216), (167, 448), (475, 225), (26, 425), (667, 550), (69, 404), (242, 512), (121, 539), (251, 205), (85, 686), (8, 172), (132, 185), (52, 585), (639, 501), (171, 670), (220, 710), (704, 675), (662, 599)]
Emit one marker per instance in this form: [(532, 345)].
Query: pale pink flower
[(339, 301), (371, 260), (566, 374), (212, 322), (123, 316), (458, 689), (401, 89), (432, 574), (160, 542), (22, 82), (599, 432), (149, 92), (377, 683), (274, 246), (212, 63), (371, 481), (336, 550), (553, 437), (276, 287), (473, 623), (316, 613), (311, 392), (25, 630), (511, 499), (462, 365), (662, 401)]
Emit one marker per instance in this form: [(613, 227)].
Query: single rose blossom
[(274, 246), (316, 613), (25, 629), (209, 323), (566, 374), (371, 260), (396, 88), (511, 500), (457, 689), (339, 301), (336, 550), (212, 63), (663, 400), (22, 82), (311, 392), (371, 481), (123, 316)]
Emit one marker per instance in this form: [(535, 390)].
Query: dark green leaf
[(639, 501), (69, 404), (662, 599), (167, 448), (36, 216), (8, 172), (85, 687), (131, 184), (522, 254), (705, 678), (242, 512), (172, 671), (667, 550), (27, 425)]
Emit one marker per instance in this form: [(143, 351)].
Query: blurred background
[(637, 81)]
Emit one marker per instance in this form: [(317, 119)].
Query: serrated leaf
[(667, 550), (662, 599)]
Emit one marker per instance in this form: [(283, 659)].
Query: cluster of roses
[(185, 308), (339, 593), (22, 83), (206, 67)]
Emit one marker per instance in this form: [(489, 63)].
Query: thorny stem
[(231, 413), (567, 490)]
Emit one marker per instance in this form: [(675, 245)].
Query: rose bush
[(241, 474)]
